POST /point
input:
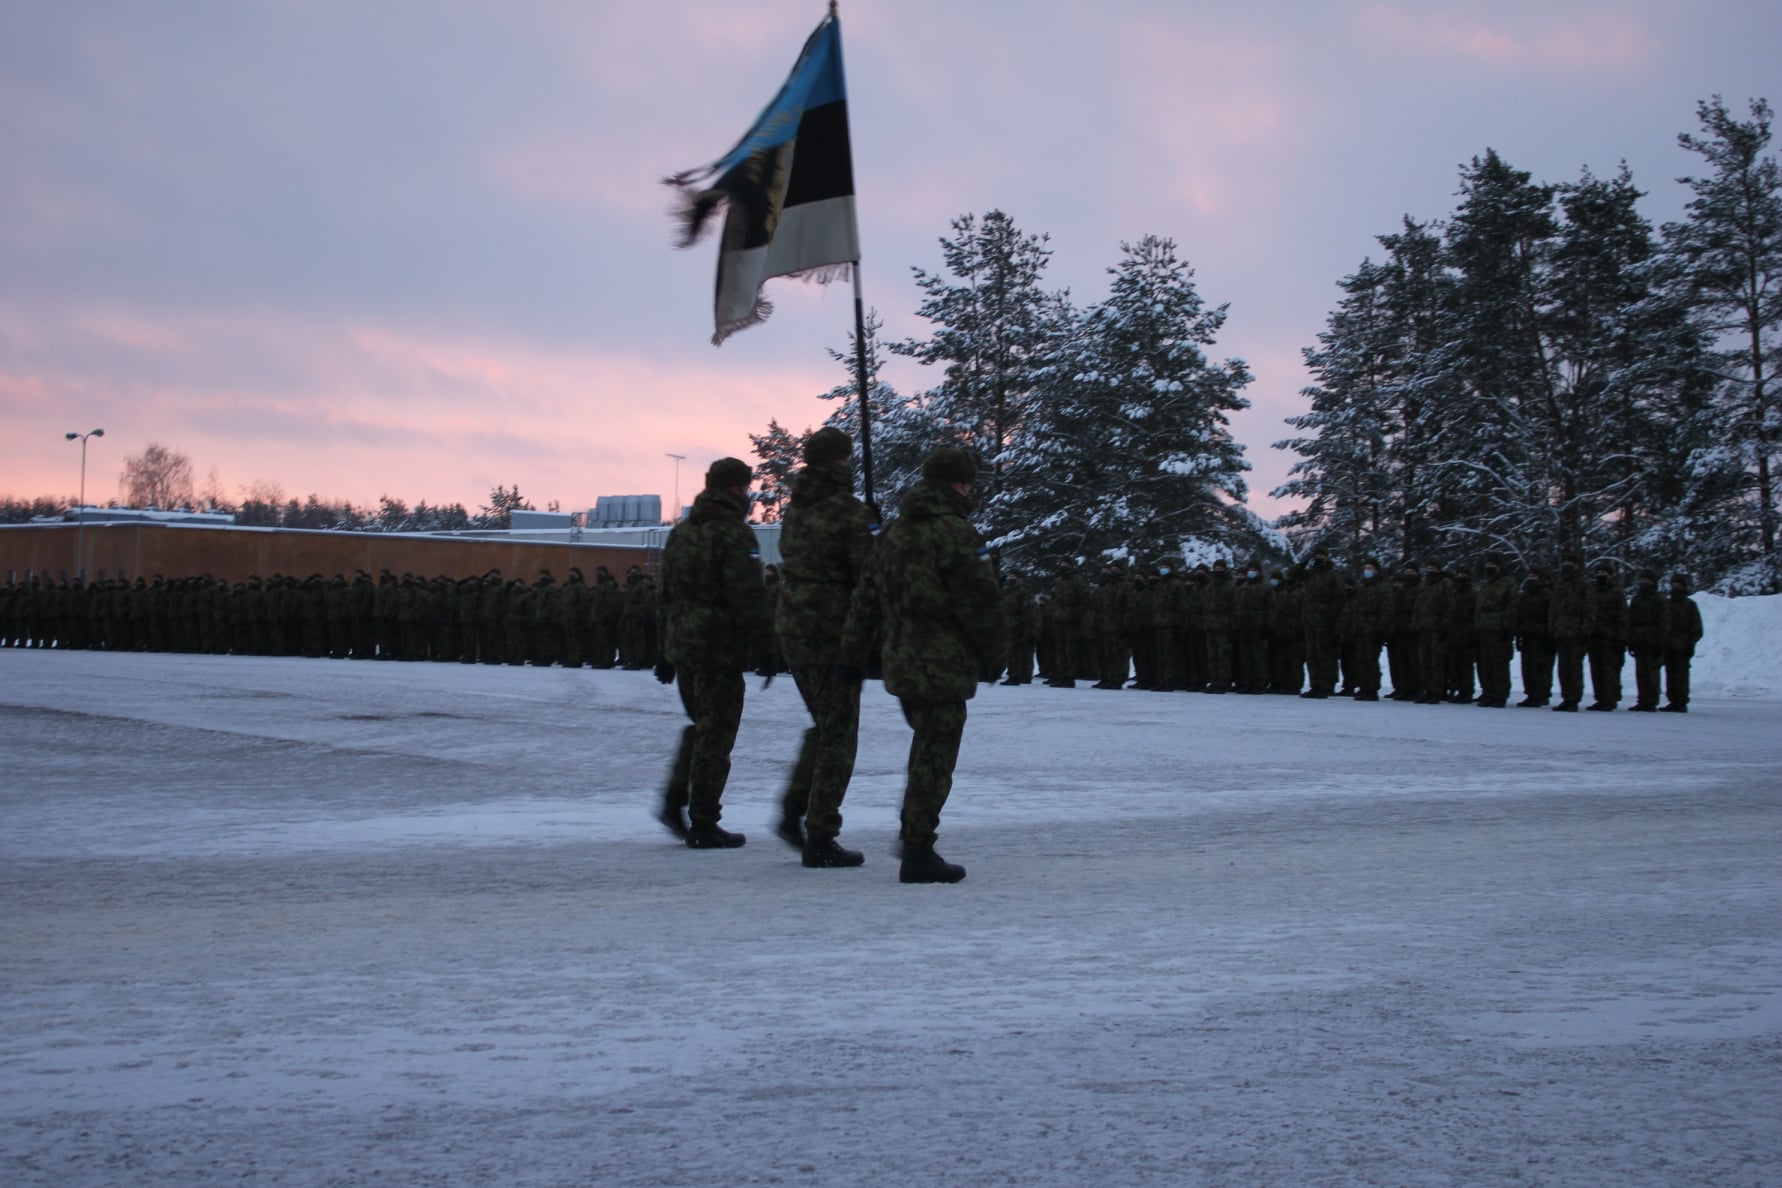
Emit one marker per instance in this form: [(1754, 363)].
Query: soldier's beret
[(828, 444), (729, 472), (950, 464)]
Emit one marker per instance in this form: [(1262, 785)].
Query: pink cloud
[(1212, 107), (1599, 40), (380, 409)]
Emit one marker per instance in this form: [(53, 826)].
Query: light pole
[(80, 525), (675, 516)]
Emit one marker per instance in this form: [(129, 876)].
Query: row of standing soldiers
[(1319, 632), (474, 619)]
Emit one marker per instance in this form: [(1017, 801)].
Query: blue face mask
[(1274, 581), (1163, 571), (1370, 574), (1251, 574)]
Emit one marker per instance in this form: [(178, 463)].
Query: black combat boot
[(1566, 707), (1531, 703), (674, 817), (791, 828), (821, 851), (1601, 707), (922, 865), (712, 836)]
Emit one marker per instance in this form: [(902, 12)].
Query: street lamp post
[(675, 516), (80, 524)]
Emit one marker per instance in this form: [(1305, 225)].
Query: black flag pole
[(860, 379)]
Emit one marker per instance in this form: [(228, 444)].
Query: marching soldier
[(715, 615)]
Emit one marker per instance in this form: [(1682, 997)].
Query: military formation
[(1424, 634), (920, 604), (486, 619)]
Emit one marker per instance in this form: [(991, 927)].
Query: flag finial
[(832, 9)]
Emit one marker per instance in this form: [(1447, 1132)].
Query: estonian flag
[(788, 187)]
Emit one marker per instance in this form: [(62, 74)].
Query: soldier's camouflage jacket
[(930, 589), (824, 538), (712, 606)]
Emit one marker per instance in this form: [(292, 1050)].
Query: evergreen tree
[(1129, 445), (986, 309), (503, 503), (1728, 262), (902, 429), (781, 454), (1376, 406), (1344, 476)]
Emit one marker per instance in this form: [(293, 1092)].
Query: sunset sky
[(420, 248)]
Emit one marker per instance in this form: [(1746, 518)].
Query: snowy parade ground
[(303, 922)]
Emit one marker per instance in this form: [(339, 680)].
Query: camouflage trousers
[(1364, 665), (1432, 663), (1648, 674), (1571, 670), (826, 757), (1537, 670), (1676, 676), (1495, 650), (1321, 659), (1463, 657), (1606, 663), (714, 701), (939, 726)]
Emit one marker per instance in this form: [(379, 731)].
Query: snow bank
[(1741, 650)]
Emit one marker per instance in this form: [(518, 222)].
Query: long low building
[(48, 551), (192, 547)]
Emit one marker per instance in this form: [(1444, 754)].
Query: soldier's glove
[(665, 672), (849, 676)]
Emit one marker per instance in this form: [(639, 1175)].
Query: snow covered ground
[(324, 922)]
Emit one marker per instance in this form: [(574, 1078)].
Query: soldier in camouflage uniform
[(1608, 638), (1065, 611), (1534, 604), (1682, 631), (1646, 622), (1322, 605), (1251, 604), (824, 537), (714, 615), (929, 591), (608, 604), (1368, 613), (1494, 627), (1401, 636), (1021, 621), (1569, 625), (1107, 606), (1217, 605), (1429, 616), (1461, 641)]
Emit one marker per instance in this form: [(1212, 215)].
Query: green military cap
[(729, 472)]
